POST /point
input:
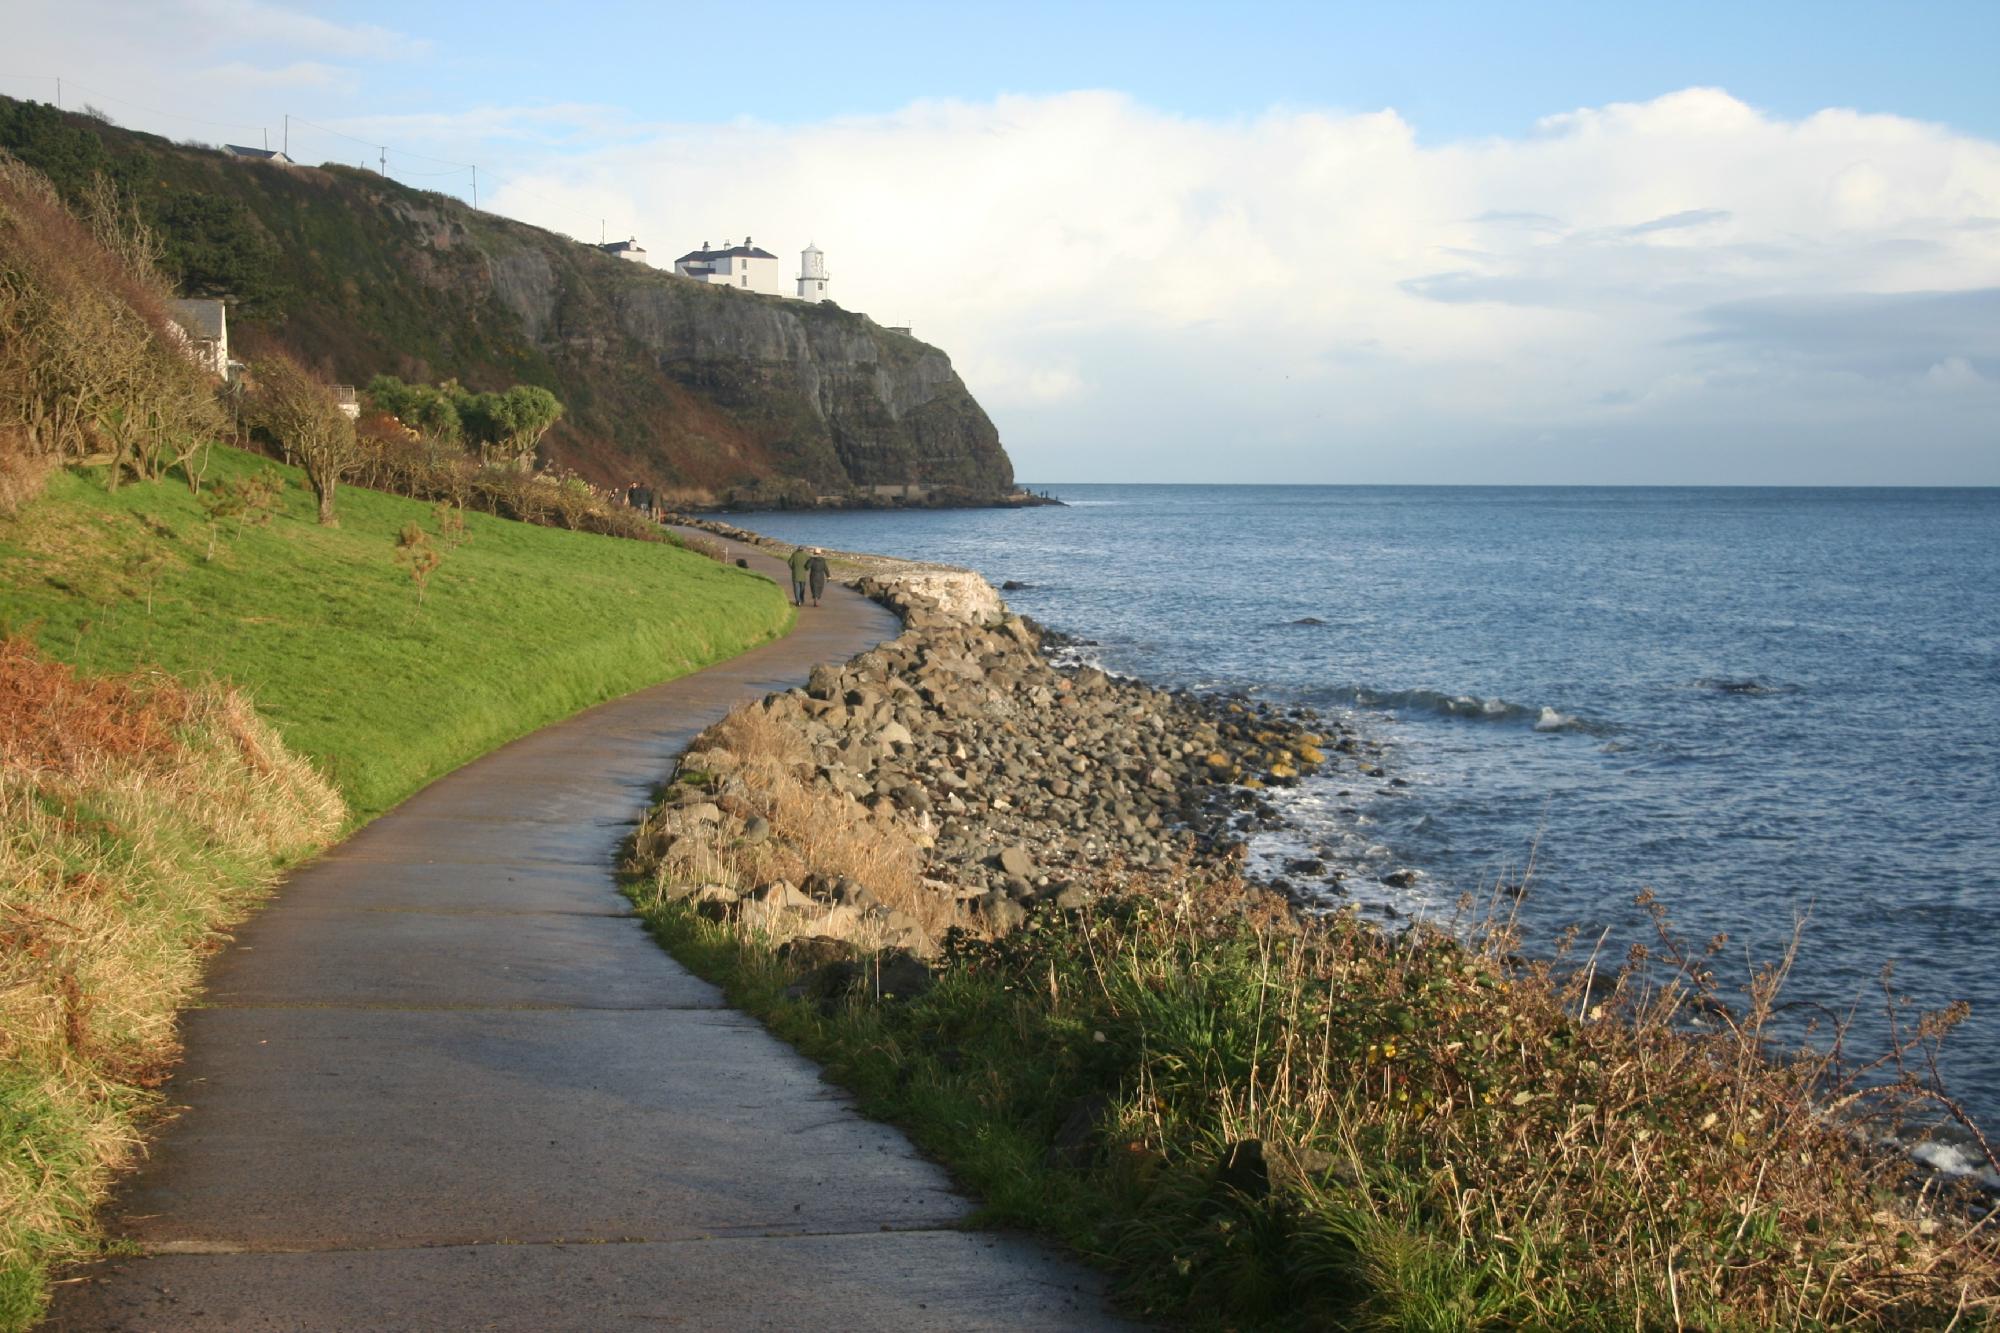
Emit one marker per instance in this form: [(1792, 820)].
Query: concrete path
[(446, 1081)]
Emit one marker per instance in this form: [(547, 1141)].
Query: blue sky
[(1453, 70), (1535, 243)]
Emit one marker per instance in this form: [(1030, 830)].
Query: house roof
[(733, 252), (202, 318), (266, 154), (620, 247)]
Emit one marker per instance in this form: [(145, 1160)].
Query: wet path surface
[(446, 1081)]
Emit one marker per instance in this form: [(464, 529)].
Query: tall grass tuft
[(138, 819), (755, 766)]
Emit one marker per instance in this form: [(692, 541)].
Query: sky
[(1515, 244)]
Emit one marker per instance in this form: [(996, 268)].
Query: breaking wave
[(1471, 708)]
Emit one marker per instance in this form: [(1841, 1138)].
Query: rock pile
[(1024, 785)]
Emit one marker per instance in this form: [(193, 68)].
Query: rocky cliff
[(663, 377)]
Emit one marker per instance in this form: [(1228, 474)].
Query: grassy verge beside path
[(197, 691), (519, 625)]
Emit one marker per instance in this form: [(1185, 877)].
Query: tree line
[(503, 427)]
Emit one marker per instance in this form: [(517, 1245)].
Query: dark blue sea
[(1766, 705)]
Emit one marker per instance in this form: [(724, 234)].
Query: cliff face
[(665, 378)]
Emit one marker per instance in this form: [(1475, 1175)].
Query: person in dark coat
[(798, 563), (816, 573)]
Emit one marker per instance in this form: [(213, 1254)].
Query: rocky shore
[(1010, 783), (1002, 898)]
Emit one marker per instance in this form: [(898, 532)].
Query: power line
[(155, 111), (380, 146), (382, 149)]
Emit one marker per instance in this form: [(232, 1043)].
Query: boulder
[(898, 974), (1016, 862), (780, 894)]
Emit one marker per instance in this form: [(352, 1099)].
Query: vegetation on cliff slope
[(673, 380)]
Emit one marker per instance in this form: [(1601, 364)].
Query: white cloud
[(210, 70), (1955, 374), (298, 74), (1343, 300), (240, 22)]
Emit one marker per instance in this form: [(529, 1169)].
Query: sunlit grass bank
[(323, 627), (251, 685)]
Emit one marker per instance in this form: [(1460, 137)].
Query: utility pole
[(475, 187), (385, 159), (288, 134), (58, 92)]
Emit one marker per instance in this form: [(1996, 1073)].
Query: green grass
[(1436, 1143), (321, 626)]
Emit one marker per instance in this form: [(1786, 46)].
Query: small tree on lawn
[(523, 415), (300, 411)]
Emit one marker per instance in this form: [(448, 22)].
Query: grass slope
[(322, 627)]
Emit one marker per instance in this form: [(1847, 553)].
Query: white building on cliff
[(812, 273), (744, 267)]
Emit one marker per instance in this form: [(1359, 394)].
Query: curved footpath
[(446, 1081)]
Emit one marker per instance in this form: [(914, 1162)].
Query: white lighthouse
[(812, 274)]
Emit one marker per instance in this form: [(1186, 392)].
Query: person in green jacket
[(800, 559)]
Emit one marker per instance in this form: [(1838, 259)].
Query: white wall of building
[(733, 265), (812, 274)]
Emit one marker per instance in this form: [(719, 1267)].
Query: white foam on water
[(1551, 720), (1959, 1161)]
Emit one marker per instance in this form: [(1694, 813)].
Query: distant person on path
[(816, 572), (799, 563)]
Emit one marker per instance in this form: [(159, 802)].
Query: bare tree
[(300, 412)]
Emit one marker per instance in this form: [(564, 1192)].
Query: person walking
[(798, 563), (816, 572)]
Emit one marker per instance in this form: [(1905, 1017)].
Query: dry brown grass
[(23, 475), (756, 766), (138, 818)]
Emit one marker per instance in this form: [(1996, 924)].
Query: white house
[(203, 327), (625, 250), (812, 273), (744, 267), (257, 154)]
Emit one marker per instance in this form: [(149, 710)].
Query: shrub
[(300, 414), (92, 368)]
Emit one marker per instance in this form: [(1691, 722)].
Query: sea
[(1777, 710)]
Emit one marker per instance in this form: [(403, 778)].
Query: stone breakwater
[(1012, 783)]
